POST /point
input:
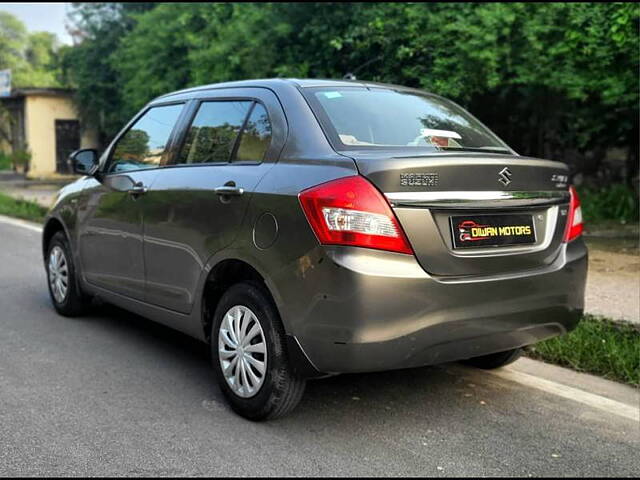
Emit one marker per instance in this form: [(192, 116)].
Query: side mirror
[(84, 161)]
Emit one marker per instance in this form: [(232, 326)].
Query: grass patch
[(19, 208), (598, 346)]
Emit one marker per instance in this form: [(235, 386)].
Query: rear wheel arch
[(223, 276), (275, 387)]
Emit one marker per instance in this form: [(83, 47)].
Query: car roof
[(274, 83)]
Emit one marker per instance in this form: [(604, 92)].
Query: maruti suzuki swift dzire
[(306, 228)]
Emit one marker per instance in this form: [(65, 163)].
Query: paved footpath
[(113, 394), (34, 191), (613, 285)]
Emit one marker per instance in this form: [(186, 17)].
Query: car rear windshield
[(371, 118)]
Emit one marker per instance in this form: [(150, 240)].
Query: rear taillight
[(574, 219), (351, 211)]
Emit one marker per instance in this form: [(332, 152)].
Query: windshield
[(360, 117)]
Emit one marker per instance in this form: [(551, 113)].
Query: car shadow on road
[(400, 394)]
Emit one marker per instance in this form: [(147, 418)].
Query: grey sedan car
[(305, 228)]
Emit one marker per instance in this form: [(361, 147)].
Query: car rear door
[(228, 141)]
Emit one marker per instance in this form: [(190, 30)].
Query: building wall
[(41, 112)]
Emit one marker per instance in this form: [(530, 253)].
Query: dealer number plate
[(492, 230)]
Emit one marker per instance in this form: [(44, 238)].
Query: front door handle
[(229, 190), (138, 189)]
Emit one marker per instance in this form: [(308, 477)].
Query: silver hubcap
[(58, 274), (242, 351)]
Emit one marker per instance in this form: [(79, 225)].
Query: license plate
[(492, 230)]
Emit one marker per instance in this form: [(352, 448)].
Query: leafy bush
[(613, 202), (5, 161), (21, 157)]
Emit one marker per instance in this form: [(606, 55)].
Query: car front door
[(196, 205), (111, 223)]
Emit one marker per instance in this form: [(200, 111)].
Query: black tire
[(495, 360), (281, 389), (74, 303)]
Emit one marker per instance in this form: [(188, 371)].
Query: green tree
[(154, 58), (99, 28), (43, 57), (33, 60), (557, 80), (32, 57), (13, 39), (133, 146)]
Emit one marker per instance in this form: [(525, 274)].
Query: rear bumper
[(371, 311)]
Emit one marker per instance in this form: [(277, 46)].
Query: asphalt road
[(114, 394)]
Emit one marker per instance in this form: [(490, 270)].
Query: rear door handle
[(229, 191)]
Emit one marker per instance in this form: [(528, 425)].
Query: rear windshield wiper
[(477, 149)]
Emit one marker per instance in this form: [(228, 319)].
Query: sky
[(48, 17)]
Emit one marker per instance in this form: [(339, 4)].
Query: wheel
[(61, 276), (249, 355), (495, 360)]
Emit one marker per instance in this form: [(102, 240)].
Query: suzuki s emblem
[(504, 176)]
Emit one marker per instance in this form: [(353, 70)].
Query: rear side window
[(143, 145), (213, 132), (256, 136)]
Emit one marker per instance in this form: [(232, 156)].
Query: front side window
[(144, 144), (213, 132), (373, 118)]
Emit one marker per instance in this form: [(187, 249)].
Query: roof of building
[(37, 91)]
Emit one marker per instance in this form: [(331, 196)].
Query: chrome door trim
[(477, 199)]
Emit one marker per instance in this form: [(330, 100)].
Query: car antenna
[(352, 75)]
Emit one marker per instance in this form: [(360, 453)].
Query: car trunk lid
[(511, 209)]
